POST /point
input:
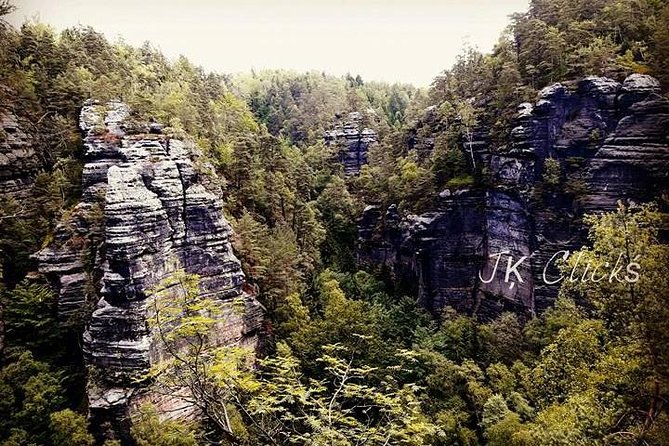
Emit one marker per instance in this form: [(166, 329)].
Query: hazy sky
[(391, 40)]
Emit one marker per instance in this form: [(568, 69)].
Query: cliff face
[(579, 149), (149, 209), (18, 162), (18, 169), (353, 142)]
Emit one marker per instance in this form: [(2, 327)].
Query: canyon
[(152, 206)]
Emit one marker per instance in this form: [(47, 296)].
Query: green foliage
[(29, 315), (338, 319), (339, 211), (460, 182), (564, 313), (660, 45), (349, 359), (341, 408), (598, 378), (631, 303), (70, 429), (271, 258), (33, 379), (565, 363), (508, 431), (552, 172), (559, 39), (475, 79), (448, 163), (301, 106), (344, 403), (457, 338), (494, 411), (402, 180), (31, 402), (193, 362), (504, 339), (149, 430)]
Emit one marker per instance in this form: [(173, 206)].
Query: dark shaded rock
[(18, 161), (353, 142), (421, 137), (610, 141), (437, 255), (156, 128), (636, 88)]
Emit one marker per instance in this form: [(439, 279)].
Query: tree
[(661, 47), (342, 408), (542, 331), (193, 365), (30, 317), (552, 172), (601, 376), (339, 211), (279, 405), (565, 363), (70, 429), (631, 298), (270, 258), (29, 392), (149, 430), (504, 338)]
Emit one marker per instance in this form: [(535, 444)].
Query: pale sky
[(389, 40)]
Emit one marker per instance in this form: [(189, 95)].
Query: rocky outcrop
[(18, 161), (353, 142), (150, 208), (578, 149), (421, 136), (18, 169)]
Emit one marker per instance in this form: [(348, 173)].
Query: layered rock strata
[(578, 149), (18, 169), (353, 141), (18, 161), (150, 208)]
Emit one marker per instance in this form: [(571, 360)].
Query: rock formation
[(353, 142), (18, 169), (606, 141), (149, 208), (18, 162)]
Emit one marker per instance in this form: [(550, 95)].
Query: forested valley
[(349, 353)]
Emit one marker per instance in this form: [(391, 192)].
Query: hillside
[(283, 258)]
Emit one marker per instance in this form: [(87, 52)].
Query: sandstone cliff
[(150, 207), (18, 169), (353, 142), (18, 161), (578, 149)]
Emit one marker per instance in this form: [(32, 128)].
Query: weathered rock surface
[(149, 209), (611, 142), (18, 162), (18, 169), (353, 141)]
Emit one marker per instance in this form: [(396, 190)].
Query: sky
[(407, 41)]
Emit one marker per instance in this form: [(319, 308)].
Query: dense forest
[(349, 356)]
